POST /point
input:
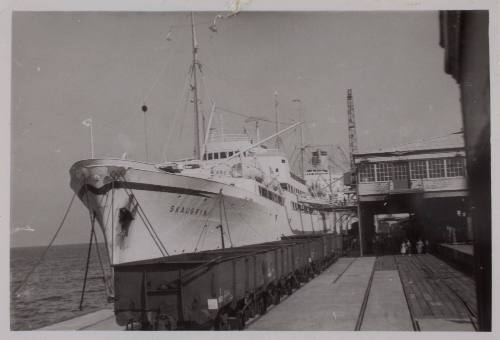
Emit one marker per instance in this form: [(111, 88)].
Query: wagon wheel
[(312, 272), (251, 310), (305, 276), (145, 325), (241, 321), (164, 322), (222, 323), (276, 297), (263, 305), (289, 287)]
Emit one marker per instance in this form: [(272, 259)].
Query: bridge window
[(223, 155), (271, 195), (216, 155), (230, 153), (436, 168), (367, 172), (210, 156), (455, 167), (418, 169), (384, 171)]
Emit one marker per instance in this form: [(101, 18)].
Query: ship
[(234, 191)]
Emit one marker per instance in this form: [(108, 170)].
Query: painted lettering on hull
[(178, 209)]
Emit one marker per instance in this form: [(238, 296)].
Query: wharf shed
[(425, 179)]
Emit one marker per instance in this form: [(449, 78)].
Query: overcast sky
[(67, 67)]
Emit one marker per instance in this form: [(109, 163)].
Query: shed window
[(384, 171), (418, 169), (367, 172), (455, 167), (436, 168)]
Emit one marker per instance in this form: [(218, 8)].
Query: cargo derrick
[(218, 289)]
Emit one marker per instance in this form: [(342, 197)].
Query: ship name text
[(177, 209)]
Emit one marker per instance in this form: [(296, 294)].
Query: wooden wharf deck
[(405, 293), (437, 291)]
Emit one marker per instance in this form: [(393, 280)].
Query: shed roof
[(451, 141)]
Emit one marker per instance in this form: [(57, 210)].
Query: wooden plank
[(441, 271), (419, 306)]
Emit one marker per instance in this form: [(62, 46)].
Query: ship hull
[(147, 213)]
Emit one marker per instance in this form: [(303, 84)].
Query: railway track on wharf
[(439, 297), (254, 320), (331, 301), (385, 306), (362, 311)]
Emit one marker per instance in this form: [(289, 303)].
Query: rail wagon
[(217, 289)]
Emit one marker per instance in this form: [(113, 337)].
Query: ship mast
[(194, 87), (276, 113)]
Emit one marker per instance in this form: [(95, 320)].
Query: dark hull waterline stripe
[(145, 187)]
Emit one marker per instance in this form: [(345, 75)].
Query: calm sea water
[(53, 292)]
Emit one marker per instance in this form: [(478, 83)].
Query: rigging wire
[(183, 98), (189, 25), (288, 121), (210, 99), (183, 118), (205, 88), (249, 224), (232, 81), (162, 71), (125, 122), (27, 276)]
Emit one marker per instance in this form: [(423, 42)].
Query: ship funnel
[(319, 159)]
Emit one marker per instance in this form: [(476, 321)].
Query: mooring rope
[(147, 223), (46, 249), (93, 236), (104, 273), (203, 230), (88, 261), (225, 216)]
